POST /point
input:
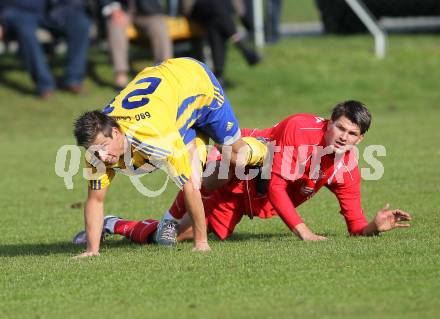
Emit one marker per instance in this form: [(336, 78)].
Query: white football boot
[(166, 234)]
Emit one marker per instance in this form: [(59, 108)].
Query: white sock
[(110, 225), (168, 215)]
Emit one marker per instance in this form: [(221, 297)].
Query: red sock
[(137, 231), (178, 208)]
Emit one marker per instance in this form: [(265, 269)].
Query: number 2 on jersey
[(141, 93)]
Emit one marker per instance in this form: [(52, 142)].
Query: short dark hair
[(355, 111), (90, 124)]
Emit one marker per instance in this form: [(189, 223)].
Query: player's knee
[(239, 153)]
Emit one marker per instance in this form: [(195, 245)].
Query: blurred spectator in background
[(2, 5), (216, 16), (272, 17), (244, 10), (66, 18), (148, 18), (272, 21)]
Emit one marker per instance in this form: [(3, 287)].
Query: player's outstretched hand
[(386, 220), (86, 254), (201, 246)]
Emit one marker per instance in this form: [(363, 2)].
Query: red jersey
[(299, 171)]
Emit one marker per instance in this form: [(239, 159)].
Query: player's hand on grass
[(314, 237), (304, 233), (386, 220), (86, 254), (201, 246)]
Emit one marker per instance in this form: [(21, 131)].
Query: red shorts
[(225, 207), (225, 210)]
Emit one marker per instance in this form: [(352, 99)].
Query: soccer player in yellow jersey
[(154, 121)]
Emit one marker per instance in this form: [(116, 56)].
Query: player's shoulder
[(302, 122), (178, 65)]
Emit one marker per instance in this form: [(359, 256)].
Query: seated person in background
[(148, 18), (65, 18)]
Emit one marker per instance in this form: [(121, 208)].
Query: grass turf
[(262, 271), (299, 11)]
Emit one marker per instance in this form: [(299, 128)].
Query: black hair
[(355, 111), (90, 124)]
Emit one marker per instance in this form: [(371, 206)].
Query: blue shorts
[(216, 120)]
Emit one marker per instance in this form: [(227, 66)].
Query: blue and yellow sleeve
[(179, 164), (99, 178)]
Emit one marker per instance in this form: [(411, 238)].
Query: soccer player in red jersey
[(314, 153), (310, 153)]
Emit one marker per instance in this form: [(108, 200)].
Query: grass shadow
[(256, 237), (10, 63), (99, 80), (46, 249), (267, 236), (17, 86)]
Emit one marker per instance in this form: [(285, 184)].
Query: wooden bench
[(180, 28), (187, 37)]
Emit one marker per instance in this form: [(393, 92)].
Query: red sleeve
[(349, 197), (282, 203), (284, 134)]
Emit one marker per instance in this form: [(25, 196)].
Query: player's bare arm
[(93, 220), (194, 205)]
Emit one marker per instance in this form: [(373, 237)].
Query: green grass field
[(262, 271), (299, 11)]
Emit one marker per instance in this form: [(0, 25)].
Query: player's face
[(342, 134), (109, 149)]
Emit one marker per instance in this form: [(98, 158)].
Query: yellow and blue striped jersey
[(135, 164), (156, 112)]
